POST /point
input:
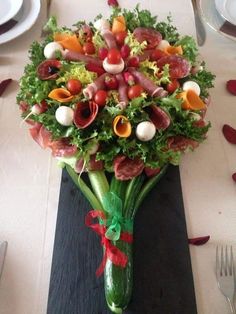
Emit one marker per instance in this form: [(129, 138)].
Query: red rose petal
[(113, 3), (231, 86), (229, 133), (199, 240), (234, 176), (3, 85)]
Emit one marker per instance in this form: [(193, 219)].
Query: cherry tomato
[(120, 37), (89, 48), (125, 51), (100, 97), (172, 86), (102, 53), (157, 54), (111, 82), (74, 86), (135, 91), (113, 56), (133, 62)]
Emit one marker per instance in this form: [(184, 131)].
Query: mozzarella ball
[(101, 24), (113, 68), (193, 86), (163, 44), (64, 115), (50, 50), (145, 131)]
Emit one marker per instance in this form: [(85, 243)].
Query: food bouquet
[(117, 100)]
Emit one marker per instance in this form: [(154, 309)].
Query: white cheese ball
[(163, 44), (193, 86), (101, 24), (145, 131), (64, 115), (113, 68), (50, 50)]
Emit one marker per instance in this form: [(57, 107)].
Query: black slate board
[(163, 282)]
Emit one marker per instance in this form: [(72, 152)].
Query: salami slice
[(159, 117), (179, 67), (85, 113), (95, 164), (48, 69), (126, 168), (151, 36)]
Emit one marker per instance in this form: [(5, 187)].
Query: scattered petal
[(229, 133), (231, 86), (234, 176), (3, 85), (199, 240)]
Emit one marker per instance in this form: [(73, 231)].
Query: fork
[(225, 274)]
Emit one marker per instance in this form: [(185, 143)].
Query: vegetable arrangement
[(125, 96)]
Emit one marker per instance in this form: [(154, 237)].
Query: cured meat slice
[(92, 88), (77, 56), (179, 67), (151, 36), (85, 113), (126, 168), (181, 143), (151, 172), (109, 38), (122, 90), (40, 134), (150, 87), (62, 148), (159, 117), (95, 164), (48, 69), (95, 68)]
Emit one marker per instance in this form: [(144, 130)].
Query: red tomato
[(74, 86), (100, 97), (133, 62), (89, 48), (135, 91), (120, 37), (102, 53), (111, 82), (172, 86), (157, 54), (113, 56)]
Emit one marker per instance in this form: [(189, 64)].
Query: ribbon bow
[(111, 252)]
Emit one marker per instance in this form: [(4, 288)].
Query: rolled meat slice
[(77, 56), (48, 69), (159, 117), (109, 38), (181, 143), (123, 91), (151, 36), (150, 87), (178, 66), (92, 88)]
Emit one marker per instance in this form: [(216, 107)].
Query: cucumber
[(118, 281)]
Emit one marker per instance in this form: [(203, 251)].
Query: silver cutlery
[(3, 250), (225, 274), (200, 28)]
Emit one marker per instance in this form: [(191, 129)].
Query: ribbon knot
[(111, 252)]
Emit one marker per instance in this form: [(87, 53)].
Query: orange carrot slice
[(174, 50), (191, 100), (60, 94), (122, 126), (118, 24), (70, 42)]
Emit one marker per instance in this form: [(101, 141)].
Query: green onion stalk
[(116, 202)]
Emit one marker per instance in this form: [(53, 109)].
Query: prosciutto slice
[(181, 143), (77, 56), (40, 134), (92, 88), (150, 87), (109, 38), (122, 90), (159, 117)]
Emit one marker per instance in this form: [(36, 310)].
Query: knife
[(3, 250), (200, 29)]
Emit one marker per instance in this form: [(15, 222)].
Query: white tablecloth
[(30, 179)]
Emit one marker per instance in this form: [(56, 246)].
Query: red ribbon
[(111, 252)]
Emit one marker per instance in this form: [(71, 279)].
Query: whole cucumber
[(118, 281)]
